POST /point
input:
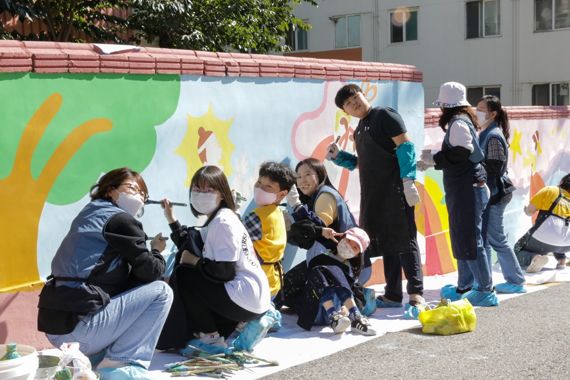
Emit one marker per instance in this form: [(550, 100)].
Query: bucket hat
[(452, 94)]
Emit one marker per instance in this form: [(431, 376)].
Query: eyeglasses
[(134, 189)]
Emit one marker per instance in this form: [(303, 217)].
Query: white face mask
[(131, 203), (481, 117), (344, 250), (262, 197), (204, 203)]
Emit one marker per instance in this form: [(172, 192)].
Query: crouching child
[(329, 290)]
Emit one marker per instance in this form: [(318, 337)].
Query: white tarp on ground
[(293, 346)]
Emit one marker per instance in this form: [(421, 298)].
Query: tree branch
[(34, 131), (67, 149)]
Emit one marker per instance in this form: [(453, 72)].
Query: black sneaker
[(339, 323), (361, 325)]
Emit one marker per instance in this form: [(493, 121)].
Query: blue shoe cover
[(450, 292), (508, 288), (254, 331), (196, 346), (370, 299), (130, 372), (479, 298), (412, 312), (386, 303)]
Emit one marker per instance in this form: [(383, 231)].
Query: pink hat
[(359, 236)]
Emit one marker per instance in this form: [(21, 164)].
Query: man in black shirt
[(385, 158)]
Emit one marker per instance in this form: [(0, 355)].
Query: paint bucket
[(22, 368), (48, 366)]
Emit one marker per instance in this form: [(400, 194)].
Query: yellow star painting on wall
[(206, 142)]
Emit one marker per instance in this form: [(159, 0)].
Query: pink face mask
[(262, 197)]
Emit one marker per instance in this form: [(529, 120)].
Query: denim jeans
[(477, 270), (127, 328), (535, 247), (496, 239)]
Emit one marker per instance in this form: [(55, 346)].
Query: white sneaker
[(538, 262), (339, 323), (361, 325)]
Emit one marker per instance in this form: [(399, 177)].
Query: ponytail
[(494, 105), (503, 120)]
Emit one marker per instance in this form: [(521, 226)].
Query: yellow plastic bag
[(449, 318)]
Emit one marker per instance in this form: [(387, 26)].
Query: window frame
[(481, 20), (484, 90), (553, 27), (306, 32), (293, 37), (404, 29), (550, 94), (335, 20)]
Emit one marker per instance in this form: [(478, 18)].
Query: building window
[(403, 25), (346, 31), (483, 18), (297, 38), (551, 14), (550, 94), (476, 93)]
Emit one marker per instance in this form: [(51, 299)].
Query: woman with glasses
[(105, 290), (219, 285)]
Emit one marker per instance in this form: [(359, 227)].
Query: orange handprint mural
[(23, 196)]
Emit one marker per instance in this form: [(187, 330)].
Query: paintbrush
[(151, 202)]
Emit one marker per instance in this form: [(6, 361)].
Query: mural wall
[(61, 132)]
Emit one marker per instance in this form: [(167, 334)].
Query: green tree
[(256, 26), (70, 20), (59, 137)]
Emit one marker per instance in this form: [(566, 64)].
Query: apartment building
[(516, 49)]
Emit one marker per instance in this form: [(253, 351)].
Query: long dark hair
[(113, 180), (449, 113), (322, 176), (494, 105), (215, 178), (565, 182)]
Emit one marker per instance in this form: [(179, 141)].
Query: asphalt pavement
[(525, 337)]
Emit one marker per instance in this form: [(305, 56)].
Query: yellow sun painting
[(206, 142)]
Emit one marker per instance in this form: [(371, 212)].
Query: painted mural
[(59, 133)]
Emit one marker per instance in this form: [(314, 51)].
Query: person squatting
[(108, 291)]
